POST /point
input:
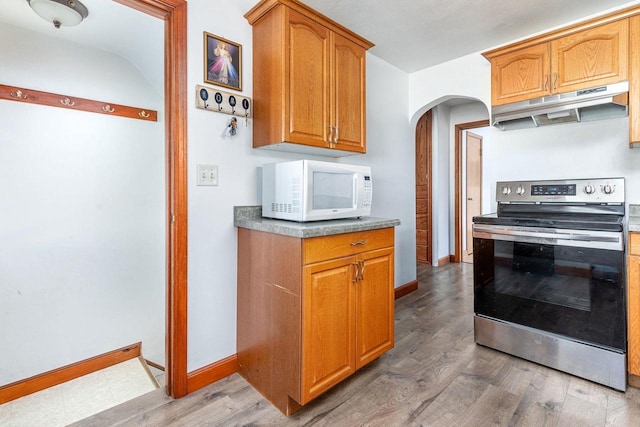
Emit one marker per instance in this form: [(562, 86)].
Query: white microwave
[(310, 190)]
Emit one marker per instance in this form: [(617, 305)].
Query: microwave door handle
[(354, 196)]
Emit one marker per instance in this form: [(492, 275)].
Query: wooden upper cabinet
[(308, 81), (634, 80), (579, 60), (307, 97), (520, 75), (348, 91), (597, 56)]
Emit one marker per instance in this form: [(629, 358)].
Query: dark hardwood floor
[(435, 376)]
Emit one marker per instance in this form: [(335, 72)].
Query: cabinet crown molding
[(260, 9), (564, 31)]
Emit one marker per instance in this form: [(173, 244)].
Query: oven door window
[(571, 291)]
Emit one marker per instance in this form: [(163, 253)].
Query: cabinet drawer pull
[(359, 243)]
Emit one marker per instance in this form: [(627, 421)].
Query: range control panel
[(595, 190)]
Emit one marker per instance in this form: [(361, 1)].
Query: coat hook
[(18, 94), (144, 114), (67, 102), (108, 108)]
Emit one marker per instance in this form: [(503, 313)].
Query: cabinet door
[(634, 79), (348, 95), (520, 75), (328, 325), (374, 306), (592, 57), (307, 97), (633, 315)]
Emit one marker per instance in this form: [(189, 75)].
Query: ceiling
[(110, 26), (417, 34), (410, 34)]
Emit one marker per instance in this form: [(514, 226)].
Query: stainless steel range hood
[(603, 102)]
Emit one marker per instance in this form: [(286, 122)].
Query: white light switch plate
[(207, 174)]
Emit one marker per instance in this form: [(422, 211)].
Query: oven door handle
[(592, 239)]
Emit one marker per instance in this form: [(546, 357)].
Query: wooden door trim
[(174, 14), (459, 128)]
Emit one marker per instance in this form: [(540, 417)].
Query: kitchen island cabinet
[(312, 311), (309, 81), (578, 60)]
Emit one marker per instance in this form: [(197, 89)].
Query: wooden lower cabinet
[(312, 311), (633, 310)]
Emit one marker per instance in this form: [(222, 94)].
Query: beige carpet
[(77, 399)]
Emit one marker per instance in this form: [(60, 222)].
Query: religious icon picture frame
[(222, 62)]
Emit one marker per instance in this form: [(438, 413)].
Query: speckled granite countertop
[(251, 217), (634, 218)]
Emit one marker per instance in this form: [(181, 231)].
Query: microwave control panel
[(367, 191)]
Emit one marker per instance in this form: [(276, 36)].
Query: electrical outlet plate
[(207, 174)]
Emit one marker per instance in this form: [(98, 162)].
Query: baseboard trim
[(444, 260), (155, 365), (211, 373), (633, 380), (63, 374), (405, 289)]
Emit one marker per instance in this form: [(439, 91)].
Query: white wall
[(82, 260), (212, 236)]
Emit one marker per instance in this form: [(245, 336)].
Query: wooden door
[(520, 75), (374, 306), (473, 166), (348, 95), (597, 56), (307, 98), (423, 189), (328, 325)]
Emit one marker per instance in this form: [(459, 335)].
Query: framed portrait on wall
[(222, 62)]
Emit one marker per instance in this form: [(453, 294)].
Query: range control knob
[(506, 190), (608, 188), (589, 189), (520, 190)]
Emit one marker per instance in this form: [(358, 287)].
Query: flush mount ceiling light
[(60, 12)]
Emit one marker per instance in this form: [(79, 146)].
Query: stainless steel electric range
[(549, 276)]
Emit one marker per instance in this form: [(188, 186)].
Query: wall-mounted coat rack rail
[(30, 96), (211, 99)]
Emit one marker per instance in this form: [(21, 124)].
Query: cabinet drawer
[(324, 248), (634, 243)]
